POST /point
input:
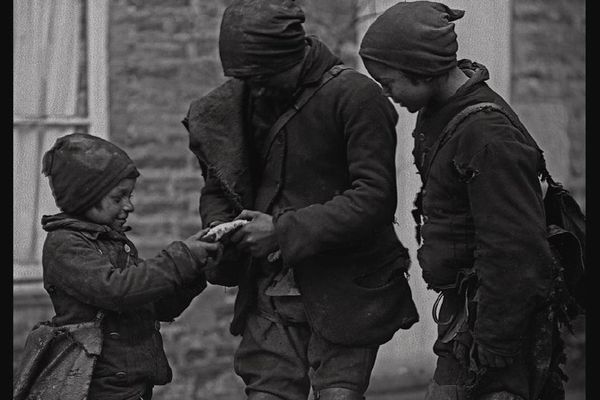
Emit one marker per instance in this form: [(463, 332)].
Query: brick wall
[(548, 48)]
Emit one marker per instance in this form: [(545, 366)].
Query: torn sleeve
[(512, 255)]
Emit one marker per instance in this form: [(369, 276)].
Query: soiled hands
[(204, 252), (258, 236)]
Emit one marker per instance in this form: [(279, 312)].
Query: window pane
[(25, 176), (46, 62), (49, 69)]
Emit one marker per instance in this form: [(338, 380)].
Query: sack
[(58, 361), (566, 235)]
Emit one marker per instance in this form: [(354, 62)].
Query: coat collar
[(88, 229), (215, 124)]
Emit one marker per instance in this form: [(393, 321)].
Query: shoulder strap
[(304, 97), (451, 126)]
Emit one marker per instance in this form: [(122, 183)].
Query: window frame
[(27, 278)]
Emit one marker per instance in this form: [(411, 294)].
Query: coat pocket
[(383, 276), (361, 310)]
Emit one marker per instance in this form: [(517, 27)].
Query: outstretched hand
[(258, 237), (203, 252)]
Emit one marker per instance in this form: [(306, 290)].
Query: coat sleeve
[(170, 307), (214, 205), (512, 256), (368, 122), (79, 269)]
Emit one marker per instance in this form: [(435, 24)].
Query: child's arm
[(74, 263), (170, 307)]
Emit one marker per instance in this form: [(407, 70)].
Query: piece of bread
[(216, 233)]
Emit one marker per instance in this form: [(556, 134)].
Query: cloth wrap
[(414, 37), (82, 169), (261, 37)]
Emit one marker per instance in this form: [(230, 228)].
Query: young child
[(90, 265)]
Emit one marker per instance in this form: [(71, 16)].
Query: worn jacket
[(482, 209), (89, 267), (328, 177)]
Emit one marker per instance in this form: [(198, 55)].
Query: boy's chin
[(119, 225)]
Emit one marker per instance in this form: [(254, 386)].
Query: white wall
[(483, 36)]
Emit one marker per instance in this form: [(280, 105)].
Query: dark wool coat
[(483, 208), (88, 267), (329, 180)]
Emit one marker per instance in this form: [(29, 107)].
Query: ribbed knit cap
[(416, 37), (82, 169), (261, 37)]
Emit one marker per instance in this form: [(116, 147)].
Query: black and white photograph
[(299, 200)]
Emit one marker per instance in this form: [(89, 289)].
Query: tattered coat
[(89, 267), (482, 209), (329, 180)]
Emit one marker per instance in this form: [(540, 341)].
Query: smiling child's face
[(114, 208)]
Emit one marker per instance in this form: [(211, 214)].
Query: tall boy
[(304, 149), (483, 227)]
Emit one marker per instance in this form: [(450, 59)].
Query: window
[(59, 87)]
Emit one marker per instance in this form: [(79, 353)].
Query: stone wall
[(548, 80), (548, 89)]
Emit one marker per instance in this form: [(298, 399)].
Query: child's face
[(408, 94), (115, 206)]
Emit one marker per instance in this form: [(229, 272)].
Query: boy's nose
[(128, 206)]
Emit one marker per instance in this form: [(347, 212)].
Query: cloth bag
[(58, 361)]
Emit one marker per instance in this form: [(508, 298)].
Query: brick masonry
[(548, 67), (163, 54)]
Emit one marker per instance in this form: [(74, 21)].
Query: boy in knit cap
[(89, 265), (483, 227)]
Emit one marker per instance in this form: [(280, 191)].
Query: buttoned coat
[(89, 267), (328, 177), (483, 210)]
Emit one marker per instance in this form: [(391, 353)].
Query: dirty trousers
[(281, 355)]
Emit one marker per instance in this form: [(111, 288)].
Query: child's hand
[(203, 250)]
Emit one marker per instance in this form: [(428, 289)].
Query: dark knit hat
[(416, 37), (261, 37), (82, 169)]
